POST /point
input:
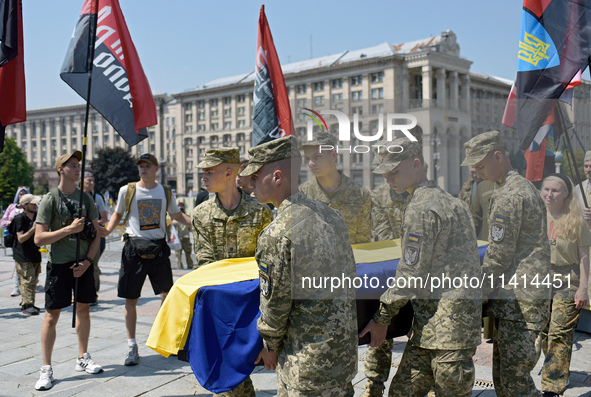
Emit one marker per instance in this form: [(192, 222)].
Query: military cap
[(269, 152), (378, 151), (320, 138), (214, 157), (148, 158), (394, 153), (587, 156), (65, 157), (478, 147)]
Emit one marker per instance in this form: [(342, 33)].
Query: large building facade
[(427, 79)]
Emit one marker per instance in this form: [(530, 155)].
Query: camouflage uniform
[(466, 191), (185, 239), (387, 208), (218, 235), (479, 208), (438, 239), (351, 200), (313, 330), (518, 247)]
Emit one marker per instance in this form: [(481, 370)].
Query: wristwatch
[(89, 260)]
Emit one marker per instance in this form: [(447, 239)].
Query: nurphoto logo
[(344, 135)]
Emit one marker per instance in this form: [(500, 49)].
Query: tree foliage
[(568, 169), (15, 171), (113, 168)]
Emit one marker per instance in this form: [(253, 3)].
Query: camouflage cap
[(394, 153), (269, 152), (320, 138), (214, 157), (478, 147), (378, 151), (65, 157)]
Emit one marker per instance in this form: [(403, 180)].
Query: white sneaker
[(133, 356), (45, 381), (15, 291), (86, 363)]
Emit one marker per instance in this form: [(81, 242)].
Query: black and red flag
[(554, 45), (13, 108), (271, 111), (120, 90)]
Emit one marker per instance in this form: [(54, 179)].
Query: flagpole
[(570, 151), (91, 41)]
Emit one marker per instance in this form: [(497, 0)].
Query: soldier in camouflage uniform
[(438, 239), (518, 249), (309, 334), (469, 187), (387, 208), (570, 239), (228, 225), (338, 191)]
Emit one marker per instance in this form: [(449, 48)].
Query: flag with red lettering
[(13, 108), (271, 111), (120, 90), (554, 45)]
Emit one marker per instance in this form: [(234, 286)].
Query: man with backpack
[(146, 252), (25, 253)]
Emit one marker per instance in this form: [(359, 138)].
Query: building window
[(214, 114), (228, 112), (301, 89), (377, 93), (240, 98), (227, 125), (213, 139), (240, 137), (358, 110), (227, 100), (241, 111), (200, 104), (356, 80), (201, 127), (357, 95), (377, 109), (227, 138), (214, 126), (200, 140), (241, 123), (188, 117), (319, 100), (188, 106), (213, 102), (319, 86), (377, 77), (188, 128), (64, 142), (337, 83), (337, 98), (302, 103), (201, 115), (105, 126), (74, 142)]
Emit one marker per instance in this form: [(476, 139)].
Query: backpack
[(129, 198), (10, 238)]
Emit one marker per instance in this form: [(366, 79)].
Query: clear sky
[(183, 44)]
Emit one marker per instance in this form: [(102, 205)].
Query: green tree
[(567, 168), (15, 171), (113, 168)]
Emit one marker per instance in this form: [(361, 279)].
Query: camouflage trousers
[(28, 275), (245, 389), (514, 357), (186, 247), (284, 390), (450, 373), (557, 344), (378, 361)]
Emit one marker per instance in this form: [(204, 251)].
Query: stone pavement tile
[(264, 382), (184, 386)]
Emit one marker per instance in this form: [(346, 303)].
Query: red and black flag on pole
[(120, 89), (271, 111), (13, 108), (554, 45)]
